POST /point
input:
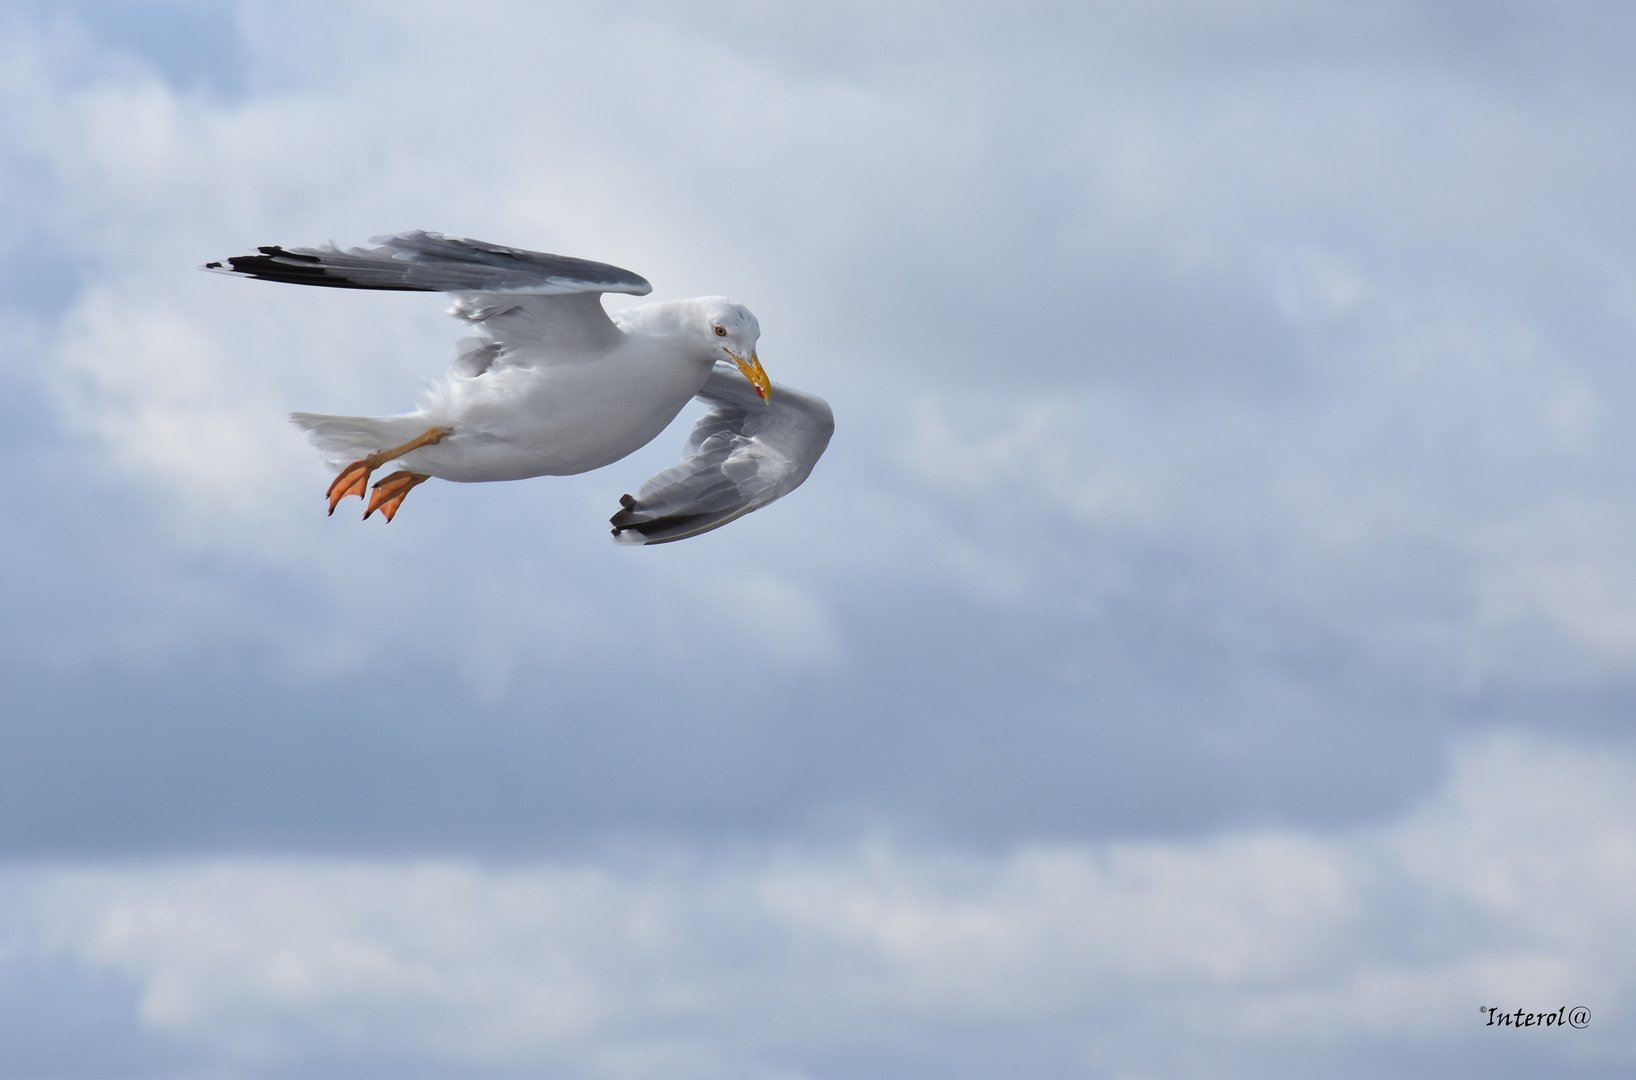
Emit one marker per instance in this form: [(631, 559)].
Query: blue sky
[(1207, 648)]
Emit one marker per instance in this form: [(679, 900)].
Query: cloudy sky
[(1207, 649)]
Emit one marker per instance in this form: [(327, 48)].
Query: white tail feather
[(344, 439)]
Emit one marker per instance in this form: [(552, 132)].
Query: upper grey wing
[(741, 456), (431, 262)]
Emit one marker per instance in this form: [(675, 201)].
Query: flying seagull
[(552, 385)]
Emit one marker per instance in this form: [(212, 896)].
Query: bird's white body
[(554, 421), (560, 408), (554, 386)]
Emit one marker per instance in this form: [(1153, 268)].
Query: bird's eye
[(721, 331)]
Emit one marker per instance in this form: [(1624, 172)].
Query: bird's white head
[(731, 329)]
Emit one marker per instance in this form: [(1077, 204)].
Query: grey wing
[(741, 456), (528, 306), (431, 262)]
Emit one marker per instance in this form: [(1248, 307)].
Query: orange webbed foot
[(392, 490), (354, 479)]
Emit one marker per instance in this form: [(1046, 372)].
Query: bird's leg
[(354, 479), (391, 491)]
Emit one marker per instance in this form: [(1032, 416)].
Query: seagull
[(551, 385)]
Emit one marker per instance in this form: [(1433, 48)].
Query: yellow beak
[(753, 371)]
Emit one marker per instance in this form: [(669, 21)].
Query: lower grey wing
[(422, 261), (742, 455)]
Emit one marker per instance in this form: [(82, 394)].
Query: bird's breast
[(557, 420)]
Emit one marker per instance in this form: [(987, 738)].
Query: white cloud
[(754, 615), (1562, 580), (174, 405), (1511, 886), (807, 188), (1061, 454), (1288, 308)]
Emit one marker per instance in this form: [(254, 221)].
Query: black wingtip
[(279, 264), (626, 517), (277, 252), (657, 530)]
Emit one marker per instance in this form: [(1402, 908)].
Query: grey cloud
[(1261, 953)]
